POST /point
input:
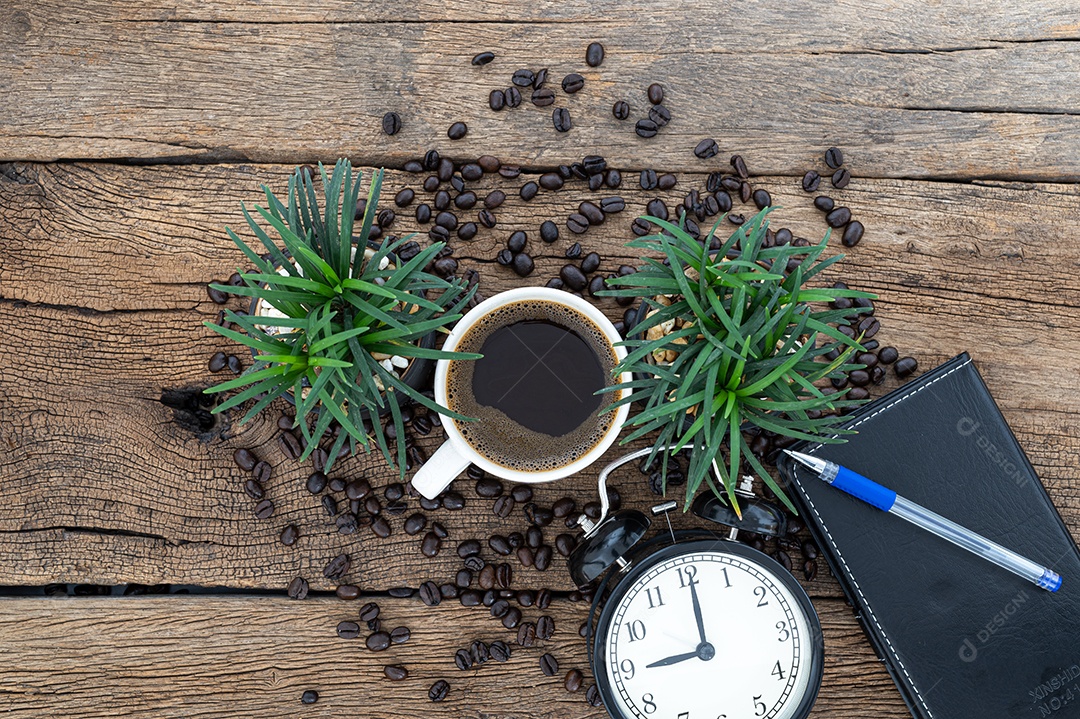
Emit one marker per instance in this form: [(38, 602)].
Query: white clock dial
[(747, 657)]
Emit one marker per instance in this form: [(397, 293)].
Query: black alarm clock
[(693, 625)]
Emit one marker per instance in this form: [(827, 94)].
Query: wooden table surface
[(131, 132)]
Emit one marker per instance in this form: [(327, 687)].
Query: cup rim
[(505, 297)]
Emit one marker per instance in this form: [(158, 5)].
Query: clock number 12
[(686, 576)]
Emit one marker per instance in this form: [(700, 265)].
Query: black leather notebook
[(961, 637)]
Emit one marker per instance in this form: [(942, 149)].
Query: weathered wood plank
[(209, 656), (160, 231), (105, 486), (842, 26), (194, 91)]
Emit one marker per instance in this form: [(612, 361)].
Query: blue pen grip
[(865, 489)]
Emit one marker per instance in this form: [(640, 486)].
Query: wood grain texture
[(225, 656), (105, 485), (193, 91)]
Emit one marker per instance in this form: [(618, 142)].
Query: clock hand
[(673, 660), (697, 612)]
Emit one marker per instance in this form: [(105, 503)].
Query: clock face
[(710, 635)]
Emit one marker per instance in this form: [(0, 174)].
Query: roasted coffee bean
[(469, 598), (657, 208), (655, 93), (429, 594), (489, 597), (612, 205), (504, 575), (563, 507), (542, 558), (395, 672), (289, 535), (565, 543), (369, 612), (391, 123), (380, 527), (309, 697), (540, 79), (594, 54), (496, 100), (739, 165), (512, 618), (809, 570), (468, 548), (356, 489), (573, 277), (509, 171), (613, 179), (551, 181), (347, 592), (841, 178), (337, 567), (438, 691), (592, 213), (526, 634), (503, 506), (298, 588), (858, 393), (413, 166), (784, 558), (577, 223), (706, 148), (394, 491), (523, 78), (480, 652), (463, 659), (499, 544), (521, 493), (824, 203), (347, 523), (548, 665), (264, 509), (525, 556), (453, 501), (905, 366), (439, 234), (440, 530), (244, 459), (810, 181), (378, 641), (745, 193), (526, 598), (511, 97), (430, 545), (888, 355), (834, 158), (868, 327), (499, 651), (649, 180), (543, 97), (483, 58), (667, 181), (431, 159), (423, 215), (859, 377), (529, 190), (573, 680), (852, 234), (465, 201), (348, 630), (867, 358), (723, 201), (329, 504), (592, 510), (596, 285), (217, 362), (593, 165), (645, 128), (762, 199), (488, 487), (373, 505), (486, 218), (659, 115), (543, 598), (877, 374), (488, 163), (430, 505), (534, 537), (620, 110), (560, 118), (499, 608), (838, 217), (448, 220)]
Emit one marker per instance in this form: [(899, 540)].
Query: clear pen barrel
[(976, 544)]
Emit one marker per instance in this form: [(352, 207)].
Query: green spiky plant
[(339, 307), (749, 347)]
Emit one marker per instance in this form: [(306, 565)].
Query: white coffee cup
[(455, 455)]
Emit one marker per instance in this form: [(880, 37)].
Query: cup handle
[(439, 471)]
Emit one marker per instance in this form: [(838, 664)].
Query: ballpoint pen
[(889, 501)]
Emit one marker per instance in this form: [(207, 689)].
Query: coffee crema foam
[(498, 437)]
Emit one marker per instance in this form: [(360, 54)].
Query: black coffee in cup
[(533, 393)]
